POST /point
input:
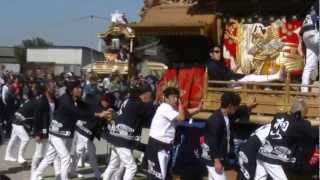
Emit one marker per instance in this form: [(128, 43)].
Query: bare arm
[(100, 114), (193, 111), (252, 103), (181, 116)]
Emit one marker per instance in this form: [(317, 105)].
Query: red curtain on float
[(190, 82), (169, 78), (197, 87), (185, 77)]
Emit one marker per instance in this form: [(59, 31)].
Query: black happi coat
[(286, 131), (247, 156), (26, 114), (128, 124), (87, 124), (42, 117), (65, 116)]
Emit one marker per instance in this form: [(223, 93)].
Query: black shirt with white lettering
[(286, 131), (65, 116), (25, 114), (128, 124), (87, 124)]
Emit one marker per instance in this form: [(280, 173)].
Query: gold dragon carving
[(260, 49)]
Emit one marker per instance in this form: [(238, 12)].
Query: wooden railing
[(271, 98)]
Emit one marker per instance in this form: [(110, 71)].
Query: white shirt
[(1, 81), (227, 121), (163, 124), (5, 91), (52, 106)]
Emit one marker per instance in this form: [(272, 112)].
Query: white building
[(64, 58)]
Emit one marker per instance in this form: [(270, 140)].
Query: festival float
[(256, 36), (119, 40)]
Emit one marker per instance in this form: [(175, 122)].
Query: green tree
[(36, 42)]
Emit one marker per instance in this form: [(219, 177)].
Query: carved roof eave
[(117, 31), (175, 19), (104, 67), (167, 30)]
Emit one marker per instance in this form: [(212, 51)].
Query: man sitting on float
[(219, 72)]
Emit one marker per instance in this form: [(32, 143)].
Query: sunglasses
[(216, 51)]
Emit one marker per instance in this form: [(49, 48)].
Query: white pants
[(120, 156), (84, 146), (118, 174), (39, 153), (275, 171), (310, 68), (260, 78), (60, 147), (18, 135), (311, 39), (163, 157), (213, 175)]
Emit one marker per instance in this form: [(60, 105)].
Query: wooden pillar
[(131, 63), (287, 92)]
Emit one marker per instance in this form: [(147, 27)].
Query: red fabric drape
[(190, 82)]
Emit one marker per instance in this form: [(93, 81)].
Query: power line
[(90, 17), (61, 24), (56, 26)]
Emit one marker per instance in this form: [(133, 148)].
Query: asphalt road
[(16, 171)]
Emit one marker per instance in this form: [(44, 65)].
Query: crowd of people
[(17, 88), (63, 112)]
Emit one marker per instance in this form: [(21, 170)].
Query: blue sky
[(59, 20)]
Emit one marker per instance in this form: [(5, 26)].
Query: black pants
[(8, 115), (158, 156), (247, 158)]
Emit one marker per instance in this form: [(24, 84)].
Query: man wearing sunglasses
[(217, 69), (219, 72)]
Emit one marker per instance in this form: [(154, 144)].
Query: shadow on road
[(3, 177), (14, 170)]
